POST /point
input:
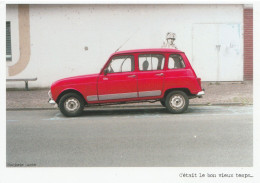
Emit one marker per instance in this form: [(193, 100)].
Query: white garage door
[(217, 52)]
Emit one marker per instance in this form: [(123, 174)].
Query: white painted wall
[(218, 52), (59, 34)]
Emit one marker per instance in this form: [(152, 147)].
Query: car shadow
[(126, 111)]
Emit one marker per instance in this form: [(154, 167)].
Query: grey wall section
[(60, 33)]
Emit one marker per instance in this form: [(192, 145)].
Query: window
[(8, 42), (175, 62), (149, 62), (123, 63)]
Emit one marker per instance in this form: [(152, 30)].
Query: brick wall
[(248, 44)]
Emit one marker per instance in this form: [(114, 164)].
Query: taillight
[(199, 81)]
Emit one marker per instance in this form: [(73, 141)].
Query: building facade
[(51, 42)]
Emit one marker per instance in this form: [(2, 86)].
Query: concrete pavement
[(239, 93)]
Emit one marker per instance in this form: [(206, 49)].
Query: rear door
[(151, 75)]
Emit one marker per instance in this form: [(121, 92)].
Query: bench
[(26, 80)]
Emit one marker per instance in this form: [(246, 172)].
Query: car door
[(150, 75), (120, 81)]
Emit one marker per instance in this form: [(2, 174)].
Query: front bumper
[(51, 101)]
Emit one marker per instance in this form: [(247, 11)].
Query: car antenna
[(126, 40)]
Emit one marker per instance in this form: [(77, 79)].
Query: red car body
[(136, 85)]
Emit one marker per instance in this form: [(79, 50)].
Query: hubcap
[(71, 104), (177, 101)]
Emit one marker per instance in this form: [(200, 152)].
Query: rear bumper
[(200, 94)]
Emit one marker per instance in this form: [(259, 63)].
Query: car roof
[(149, 50)]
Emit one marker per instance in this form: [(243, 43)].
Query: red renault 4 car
[(150, 75)]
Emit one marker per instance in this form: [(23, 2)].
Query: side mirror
[(106, 71)]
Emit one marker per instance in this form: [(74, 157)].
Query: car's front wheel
[(177, 102), (71, 104)]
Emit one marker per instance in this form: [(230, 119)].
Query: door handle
[(105, 78), (160, 74), (131, 76)]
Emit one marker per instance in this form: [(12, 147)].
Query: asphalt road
[(203, 136)]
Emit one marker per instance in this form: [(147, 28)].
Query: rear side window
[(175, 62), (150, 62)]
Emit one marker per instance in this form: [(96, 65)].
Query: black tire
[(71, 105), (177, 102), (163, 103)]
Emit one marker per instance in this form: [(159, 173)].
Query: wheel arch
[(185, 90), (70, 91)]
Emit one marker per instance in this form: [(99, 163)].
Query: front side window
[(123, 63), (175, 62), (150, 62)]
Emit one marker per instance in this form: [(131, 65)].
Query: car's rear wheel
[(177, 102), (71, 104)]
